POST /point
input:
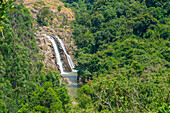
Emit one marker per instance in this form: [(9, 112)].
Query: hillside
[(29, 76), (51, 17), (121, 48), (123, 54)]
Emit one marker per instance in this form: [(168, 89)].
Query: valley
[(84, 56)]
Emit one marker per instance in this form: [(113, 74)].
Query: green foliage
[(123, 50), (123, 47), (41, 2), (44, 100), (61, 26), (5, 6), (122, 95), (44, 17), (25, 85), (59, 8)]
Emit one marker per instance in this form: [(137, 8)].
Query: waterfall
[(58, 57), (72, 88), (70, 61)]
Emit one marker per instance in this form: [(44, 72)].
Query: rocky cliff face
[(46, 49), (51, 17)]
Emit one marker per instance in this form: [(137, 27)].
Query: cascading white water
[(58, 58), (72, 75), (70, 61)]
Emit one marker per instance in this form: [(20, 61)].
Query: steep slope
[(22, 74), (51, 17)]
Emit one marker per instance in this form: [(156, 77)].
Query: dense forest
[(123, 59), (25, 84), (123, 50)]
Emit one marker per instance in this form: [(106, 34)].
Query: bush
[(59, 8)]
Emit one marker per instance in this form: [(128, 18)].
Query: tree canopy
[(123, 50), (123, 58)]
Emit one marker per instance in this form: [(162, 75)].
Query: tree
[(43, 100), (5, 6), (59, 8)]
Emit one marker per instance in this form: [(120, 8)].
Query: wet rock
[(67, 67), (67, 81)]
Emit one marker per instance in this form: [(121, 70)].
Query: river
[(74, 85)]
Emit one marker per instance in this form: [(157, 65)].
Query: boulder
[(67, 81)]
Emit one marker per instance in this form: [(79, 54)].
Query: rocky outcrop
[(51, 32), (35, 5), (55, 25), (46, 49), (65, 80)]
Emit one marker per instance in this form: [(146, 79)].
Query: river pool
[(74, 85)]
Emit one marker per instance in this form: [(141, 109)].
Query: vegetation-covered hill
[(123, 52), (124, 49), (25, 85)]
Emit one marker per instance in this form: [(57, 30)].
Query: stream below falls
[(72, 76), (74, 85)]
